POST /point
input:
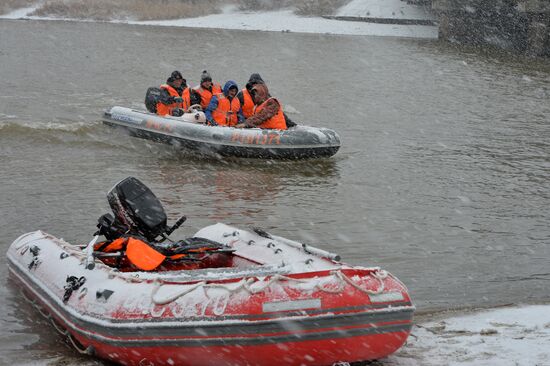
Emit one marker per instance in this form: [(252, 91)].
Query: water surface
[(442, 178)]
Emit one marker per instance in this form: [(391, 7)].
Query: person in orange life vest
[(171, 97), (247, 103), (224, 108), (268, 112), (176, 97), (207, 89)]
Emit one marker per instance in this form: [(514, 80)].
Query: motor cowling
[(137, 209), (152, 97)]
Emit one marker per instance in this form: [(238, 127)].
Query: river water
[(442, 179)]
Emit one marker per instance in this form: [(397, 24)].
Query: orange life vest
[(276, 122), (114, 246), (138, 252), (226, 112), (206, 95), (141, 255), (248, 104), (164, 109), (186, 96)]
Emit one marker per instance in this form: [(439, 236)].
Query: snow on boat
[(255, 299), (190, 132)]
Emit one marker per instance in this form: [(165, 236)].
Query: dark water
[(443, 177)]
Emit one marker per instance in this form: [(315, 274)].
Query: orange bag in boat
[(142, 255)]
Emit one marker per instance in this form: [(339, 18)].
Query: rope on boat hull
[(64, 332), (245, 284)]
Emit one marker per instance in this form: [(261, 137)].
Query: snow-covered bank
[(518, 336), (388, 9), (22, 13), (277, 21), (286, 20)]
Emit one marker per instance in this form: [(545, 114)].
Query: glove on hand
[(177, 112)]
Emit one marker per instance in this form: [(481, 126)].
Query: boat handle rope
[(80, 349), (378, 274), (245, 284), (173, 297), (85, 351), (22, 243), (339, 289)]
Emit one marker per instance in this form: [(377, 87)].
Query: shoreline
[(505, 335), (274, 21)]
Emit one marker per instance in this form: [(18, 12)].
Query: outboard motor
[(152, 97), (137, 211)]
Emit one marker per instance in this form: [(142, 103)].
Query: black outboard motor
[(152, 97), (137, 212)]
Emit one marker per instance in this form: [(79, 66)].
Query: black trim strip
[(263, 339)]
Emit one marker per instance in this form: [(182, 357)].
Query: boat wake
[(18, 128)]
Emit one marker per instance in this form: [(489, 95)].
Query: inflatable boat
[(236, 297), (190, 132)]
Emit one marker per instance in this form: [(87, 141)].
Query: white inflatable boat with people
[(223, 121)]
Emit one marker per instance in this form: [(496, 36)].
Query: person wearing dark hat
[(224, 108), (171, 98), (268, 111), (247, 101), (176, 97), (207, 89)]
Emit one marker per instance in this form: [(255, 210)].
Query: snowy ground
[(391, 9), (285, 20), (278, 21), (18, 14), (511, 336)]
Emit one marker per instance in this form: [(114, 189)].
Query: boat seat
[(190, 245)]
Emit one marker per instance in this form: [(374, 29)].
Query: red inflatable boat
[(233, 297)]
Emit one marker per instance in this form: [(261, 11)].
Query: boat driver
[(247, 102), (268, 111)]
